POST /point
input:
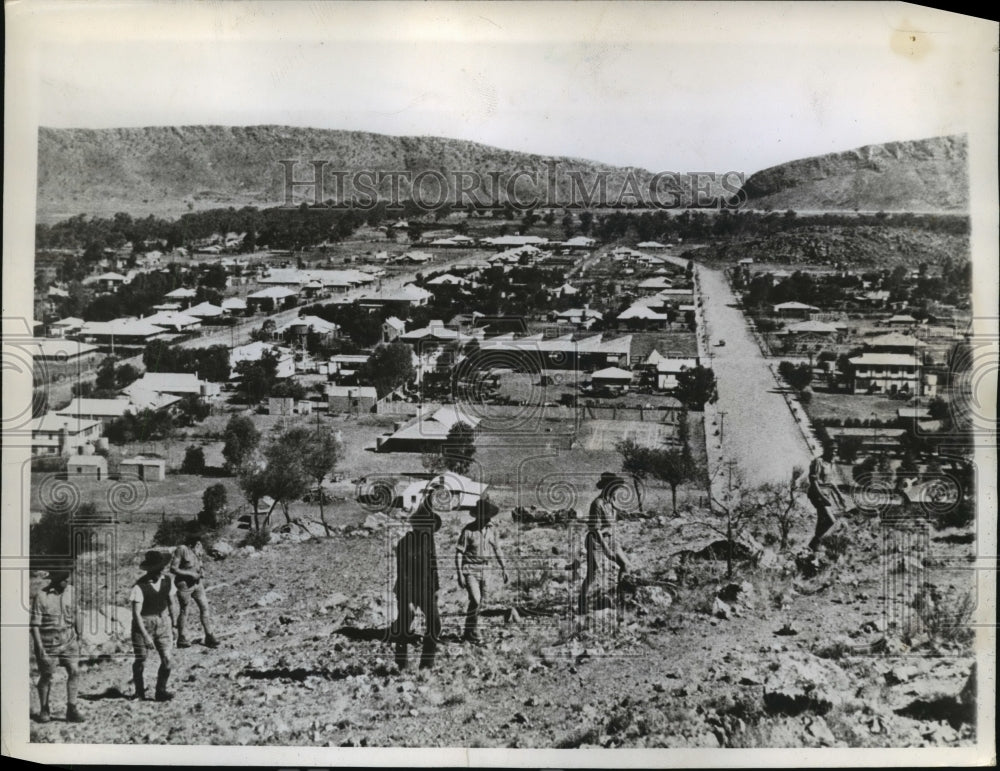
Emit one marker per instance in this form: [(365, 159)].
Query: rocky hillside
[(169, 169), (921, 175), (859, 246), (775, 657)]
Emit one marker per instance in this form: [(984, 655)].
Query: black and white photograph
[(525, 384)]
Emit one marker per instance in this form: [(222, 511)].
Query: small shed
[(88, 466), (351, 398), (144, 467), (612, 376)]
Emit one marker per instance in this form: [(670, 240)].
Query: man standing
[(189, 576), (471, 558), (154, 614), (55, 633), (822, 494), (417, 584), (601, 537)]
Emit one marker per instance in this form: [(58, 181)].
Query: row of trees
[(672, 464), (211, 363)]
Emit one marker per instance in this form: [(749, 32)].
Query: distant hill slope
[(920, 175), (168, 170)]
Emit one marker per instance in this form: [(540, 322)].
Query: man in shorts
[(471, 558), (823, 494), (55, 634), (189, 576), (600, 539), (154, 615)]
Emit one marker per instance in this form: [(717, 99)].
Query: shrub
[(174, 531), (962, 514), (51, 535), (213, 504), (194, 461), (258, 539), (49, 464)]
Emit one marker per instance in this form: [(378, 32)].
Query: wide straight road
[(757, 428)]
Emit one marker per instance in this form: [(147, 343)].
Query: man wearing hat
[(471, 559), (154, 615), (55, 633), (600, 538), (417, 584)]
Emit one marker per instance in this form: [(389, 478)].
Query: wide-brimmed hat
[(609, 479), (154, 560), (58, 576), (485, 509)]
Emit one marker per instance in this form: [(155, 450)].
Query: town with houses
[(298, 408)]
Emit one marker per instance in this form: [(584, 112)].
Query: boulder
[(375, 521), (221, 549), (721, 609), (269, 598), (801, 682)]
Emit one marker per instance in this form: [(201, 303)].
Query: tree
[(737, 508), (192, 409), (194, 460), (938, 409), (675, 467), (213, 503), (241, 439), (779, 503), (798, 376), (257, 378), (286, 478), (696, 387), (389, 367), (320, 459), (637, 461), (459, 448)]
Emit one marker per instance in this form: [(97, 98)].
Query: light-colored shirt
[(54, 615), (473, 543)]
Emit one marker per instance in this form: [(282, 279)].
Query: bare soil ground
[(782, 660)]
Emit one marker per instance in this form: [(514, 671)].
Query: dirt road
[(758, 431)]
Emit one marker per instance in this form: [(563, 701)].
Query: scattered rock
[(375, 521), (221, 549), (786, 630), (269, 598), (802, 682), (721, 609)]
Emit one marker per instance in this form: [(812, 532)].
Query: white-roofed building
[(426, 433), (256, 350), (795, 310), (59, 434), (125, 331), (174, 321), (272, 298), (205, 310), (885, 373)]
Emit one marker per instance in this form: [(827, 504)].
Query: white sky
[(665, 86)]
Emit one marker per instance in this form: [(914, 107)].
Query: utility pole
[(722, 426)]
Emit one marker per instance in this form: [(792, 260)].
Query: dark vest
[(154, 601)]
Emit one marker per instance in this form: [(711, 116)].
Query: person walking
[(417, 585), (189, 576), (55, 632), (154, 615), (471, 558), (823, 494), (601, 537)]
